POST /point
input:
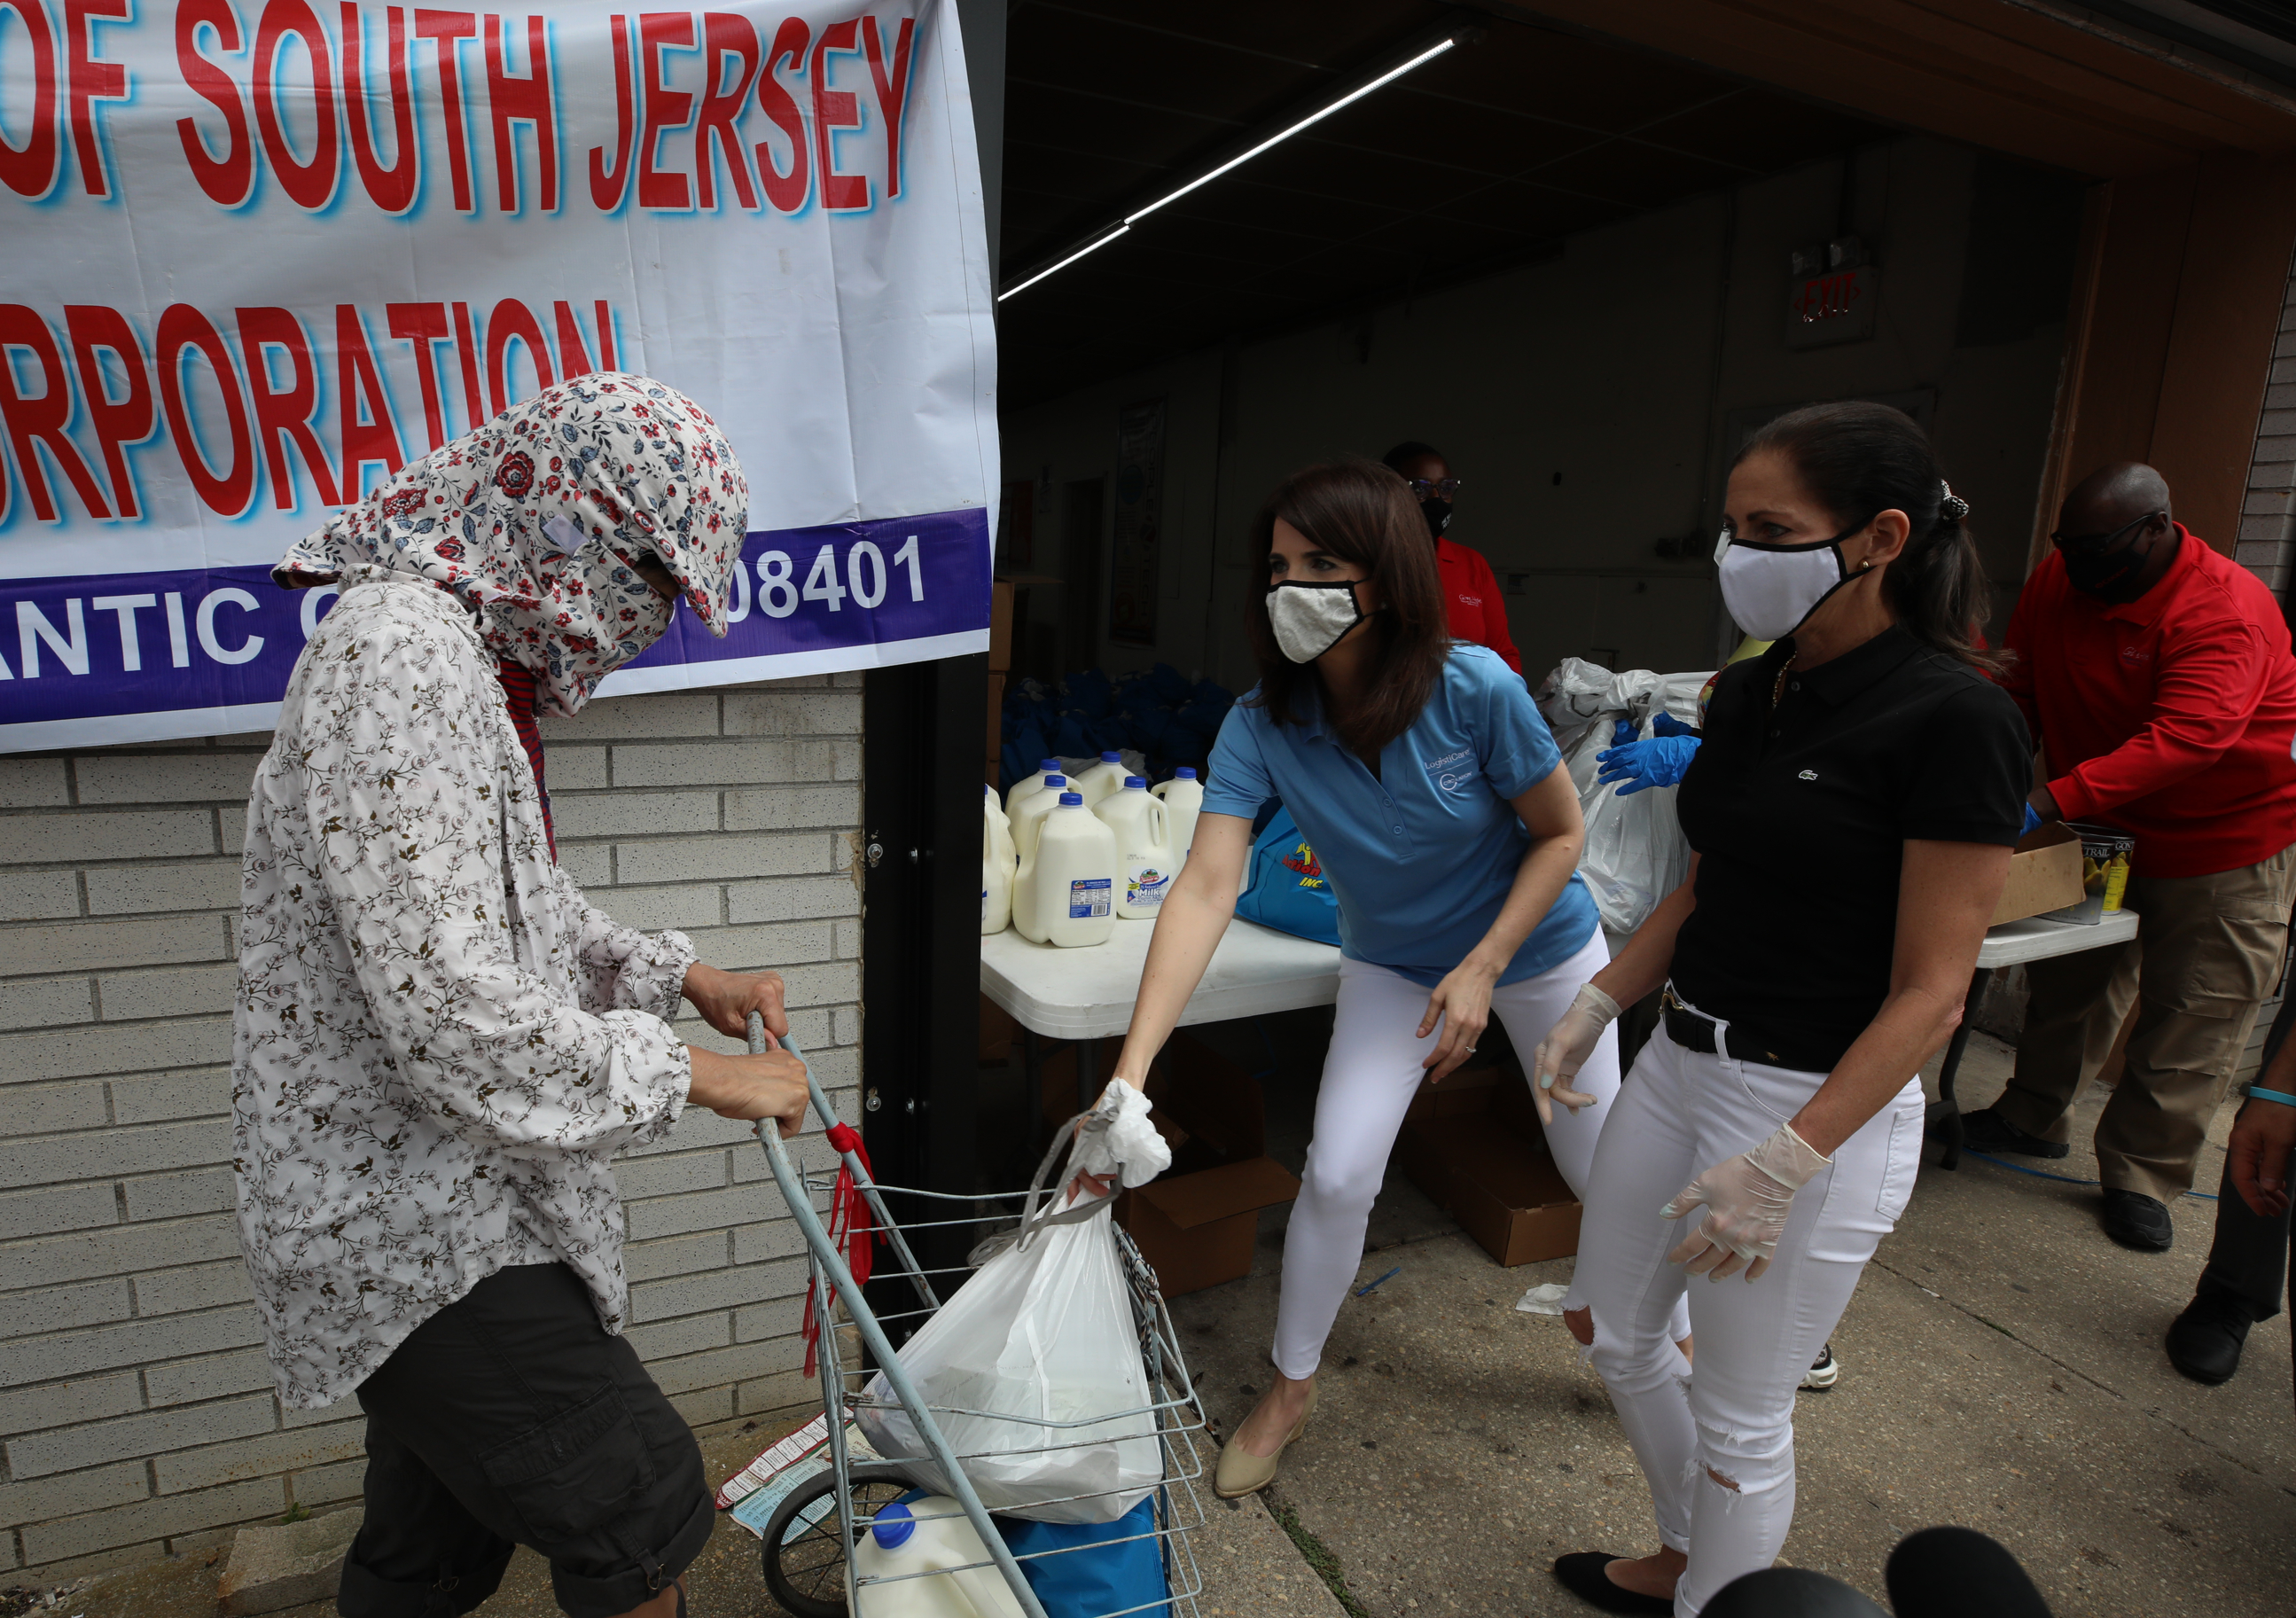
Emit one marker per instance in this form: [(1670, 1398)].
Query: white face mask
[(1772, 589), (1309, 619)]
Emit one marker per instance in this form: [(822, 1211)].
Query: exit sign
[(1834, 306)]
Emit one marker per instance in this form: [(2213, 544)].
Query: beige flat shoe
[(1240, 1473)]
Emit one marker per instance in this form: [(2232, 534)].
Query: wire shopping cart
[(812, 1535)]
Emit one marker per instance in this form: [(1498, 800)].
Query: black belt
[(1694, 1031)]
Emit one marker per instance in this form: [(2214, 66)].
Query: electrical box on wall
[(1833, 293)]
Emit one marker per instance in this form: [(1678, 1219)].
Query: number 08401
[(866, 577)]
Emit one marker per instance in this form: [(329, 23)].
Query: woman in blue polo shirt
[(1440, 809)]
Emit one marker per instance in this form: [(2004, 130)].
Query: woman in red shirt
[(1470, 590)]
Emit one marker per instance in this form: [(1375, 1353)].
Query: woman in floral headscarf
[(439, 1045)]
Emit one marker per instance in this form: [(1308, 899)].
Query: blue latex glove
[(2032, 823), (1660, 761), (1667, 725)]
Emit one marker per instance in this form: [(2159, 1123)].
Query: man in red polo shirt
[(2157, 677), (1470, 590)]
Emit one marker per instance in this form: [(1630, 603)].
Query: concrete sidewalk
[(2003, 1369), (1249, 1567)]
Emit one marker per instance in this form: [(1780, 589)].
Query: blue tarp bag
[(1109, 1578), (1288, 890)]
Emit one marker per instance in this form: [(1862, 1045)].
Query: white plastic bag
[(1635, 853), (1042, 1334)]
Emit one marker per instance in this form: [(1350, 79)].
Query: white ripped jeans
[(1679, 1114), (1370, 1075)]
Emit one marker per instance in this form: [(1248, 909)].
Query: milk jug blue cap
[(1073, 797), (1134, 783), (894, 1525), (1112, 757), (1052, 781), (1184, 773), (1049, 765)]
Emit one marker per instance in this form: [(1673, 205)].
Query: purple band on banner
[(91, 647)]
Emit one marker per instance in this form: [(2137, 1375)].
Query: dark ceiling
[(1488, 155)]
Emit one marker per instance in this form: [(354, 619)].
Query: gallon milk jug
[(921, 1536), (1032, 812), (998, 860), (1102, 778), (1183, 797), (1065, 892), (1144, 849), (1028, 786)]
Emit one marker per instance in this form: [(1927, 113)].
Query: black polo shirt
[(1801, 814)]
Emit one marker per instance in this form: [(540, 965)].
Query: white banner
[(261, 253)]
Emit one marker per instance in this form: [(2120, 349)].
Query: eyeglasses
[(1433, 488), (2091, 545)]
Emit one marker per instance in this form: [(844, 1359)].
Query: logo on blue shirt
[(1456, 771)]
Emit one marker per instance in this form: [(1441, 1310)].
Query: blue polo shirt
[(1421, 856)]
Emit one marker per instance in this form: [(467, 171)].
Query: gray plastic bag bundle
[(1635, 853)]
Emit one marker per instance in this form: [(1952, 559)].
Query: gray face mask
[(1309, 619)]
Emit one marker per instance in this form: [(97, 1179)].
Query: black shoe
[(1581, 1573), (1989, 1131), (1824, 1371), (2137, 1221), (2205, 1341)]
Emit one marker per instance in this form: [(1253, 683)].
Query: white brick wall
[(136, 1410), (2267, 543)]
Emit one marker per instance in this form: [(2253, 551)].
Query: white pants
[(1678, 1115), (1370, 1076)]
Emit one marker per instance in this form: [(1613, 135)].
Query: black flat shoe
[(1581, 1573), (2137, 1221), (1989, 1131), (2205, 1341)]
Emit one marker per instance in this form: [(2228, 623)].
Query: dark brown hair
[(1360, 511), (1858, 460)]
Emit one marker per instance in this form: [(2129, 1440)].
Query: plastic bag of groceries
[(1033, 1369), (1635, 853)]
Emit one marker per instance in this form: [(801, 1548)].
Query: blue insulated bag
[(1288, 890), (1094, 1576)]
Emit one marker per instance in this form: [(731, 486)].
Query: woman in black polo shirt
[(1851, 813)]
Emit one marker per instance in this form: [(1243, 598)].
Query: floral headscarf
[(534, 518)]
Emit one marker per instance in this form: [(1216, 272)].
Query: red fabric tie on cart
[(851, 1231)]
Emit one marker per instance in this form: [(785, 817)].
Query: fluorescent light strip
[(1063, 264), (1429, 54)]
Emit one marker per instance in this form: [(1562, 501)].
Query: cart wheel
[(804, 1551)]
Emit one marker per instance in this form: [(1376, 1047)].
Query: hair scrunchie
[(1951, 507)]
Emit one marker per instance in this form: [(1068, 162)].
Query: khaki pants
[(2207, 951)]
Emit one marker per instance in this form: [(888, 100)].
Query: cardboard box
[(1196, 1230), (1469, 1090), (1499, 1183), (995, 714), (1514, 1204), (1000, 626), (997, 1032), (2045, 873)]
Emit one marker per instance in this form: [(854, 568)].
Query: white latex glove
[(1746, 1199), (1565, 1050), (1116, 1140)]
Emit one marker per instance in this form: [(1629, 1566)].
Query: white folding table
[(1085, 996), (2012, 944)]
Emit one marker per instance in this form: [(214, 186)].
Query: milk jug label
[(1088, 897), (1146, 884)]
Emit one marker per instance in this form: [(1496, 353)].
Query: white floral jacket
[(438, 1044)]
